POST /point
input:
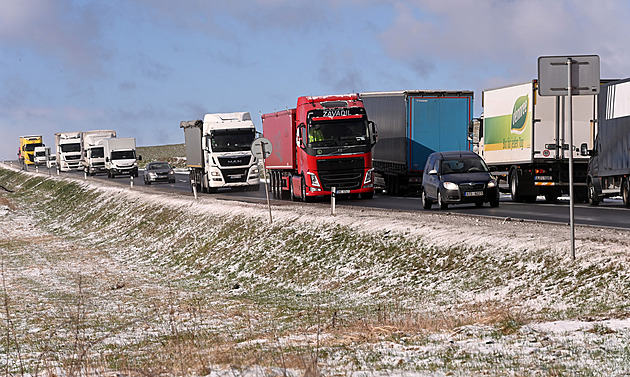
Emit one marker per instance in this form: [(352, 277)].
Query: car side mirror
[(433, 172), (139, 158), (106, 159)]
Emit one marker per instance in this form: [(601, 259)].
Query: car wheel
[(440, 201), (593, 199), (426, 203)]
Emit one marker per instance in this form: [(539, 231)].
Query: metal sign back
[(553, 75), (259, 145)]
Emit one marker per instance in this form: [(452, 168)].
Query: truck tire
[(593, 199), (625, 192), (303, 190), (514, 189)]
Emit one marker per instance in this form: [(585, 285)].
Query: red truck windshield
[(338, 133)]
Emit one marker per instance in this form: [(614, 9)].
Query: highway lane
[(610, 213)]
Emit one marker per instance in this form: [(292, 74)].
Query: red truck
[(324, 143)]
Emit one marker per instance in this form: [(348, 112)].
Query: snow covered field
[(99, 280)]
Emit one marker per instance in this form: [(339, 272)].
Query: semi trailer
[(523, 137), (609, 164), (412, 124), (323, 144), (218, 152)]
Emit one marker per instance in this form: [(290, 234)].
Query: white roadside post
[(262, 148), (569, 76), (131, 181), (84, 174), (333, 200), (193, 183)]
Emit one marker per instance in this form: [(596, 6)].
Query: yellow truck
[(26, 152)]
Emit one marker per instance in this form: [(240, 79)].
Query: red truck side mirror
[(299, 139), (374, 132)]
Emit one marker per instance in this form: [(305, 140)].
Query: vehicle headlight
[(152, 175), (492, 183), (254, 170), (368, 176), (314, 180), (450, 186), (171, 172)]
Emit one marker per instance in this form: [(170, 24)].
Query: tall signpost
[(262, 148), (569, 76)]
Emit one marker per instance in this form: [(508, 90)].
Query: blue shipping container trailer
[(412, 124)]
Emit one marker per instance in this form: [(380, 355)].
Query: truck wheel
[(303, 190), (625, 192), (514, 187), (440, 202), (593, 199), (426, 202)]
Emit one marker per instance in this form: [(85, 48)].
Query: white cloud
[(63, 30)]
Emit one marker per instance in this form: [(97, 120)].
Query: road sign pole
[(571, 189), (262, 146)]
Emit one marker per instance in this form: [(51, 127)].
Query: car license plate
[(543, 178), (235, 176), (474, 193), (343, 191)]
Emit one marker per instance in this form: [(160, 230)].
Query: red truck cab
[(324, 143)]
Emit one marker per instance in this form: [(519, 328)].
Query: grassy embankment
[(118, 282)]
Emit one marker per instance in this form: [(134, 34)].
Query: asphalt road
[(611, 213)]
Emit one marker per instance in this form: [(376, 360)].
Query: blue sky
[(141, 66)]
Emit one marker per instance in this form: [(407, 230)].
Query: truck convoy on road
[(120, 156), (93, 159), (324, 143), (412, 124), (26, 150), (523, 138), (609, 165), (68, 146), (218, 152)]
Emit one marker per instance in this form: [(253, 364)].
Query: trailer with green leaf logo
[(523, 138)]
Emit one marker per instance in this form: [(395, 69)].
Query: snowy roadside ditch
[(118, 279)]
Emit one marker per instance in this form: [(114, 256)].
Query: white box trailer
[(120, 156), (93, 159), (524, 139)]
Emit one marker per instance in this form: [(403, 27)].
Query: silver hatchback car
[(159, 171)]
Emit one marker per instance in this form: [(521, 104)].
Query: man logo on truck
[(519, 114)]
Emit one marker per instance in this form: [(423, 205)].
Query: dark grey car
[(458, 177), (158, 172)]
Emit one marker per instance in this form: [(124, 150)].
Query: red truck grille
[(343, 173)]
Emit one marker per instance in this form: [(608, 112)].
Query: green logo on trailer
[(519, 114)]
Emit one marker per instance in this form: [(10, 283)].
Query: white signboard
[(262, 144)]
